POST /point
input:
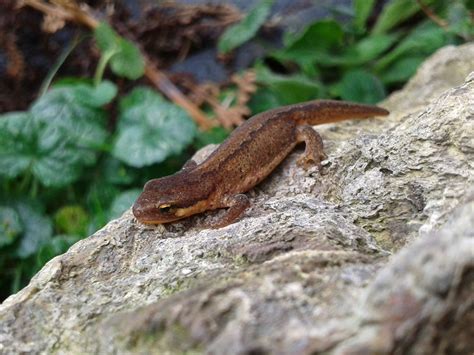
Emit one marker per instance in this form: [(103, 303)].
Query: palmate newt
[(243, 160)]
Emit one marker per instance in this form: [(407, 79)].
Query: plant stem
[(104, 59), (433, 17), (34, 188), (26, 179), (49, 78)]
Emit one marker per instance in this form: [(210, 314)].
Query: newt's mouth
[(151, 216), (155, 221)]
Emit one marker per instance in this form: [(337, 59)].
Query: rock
[(421, 303), (308, 269), (447, 68)]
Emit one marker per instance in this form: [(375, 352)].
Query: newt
[(244, 159)]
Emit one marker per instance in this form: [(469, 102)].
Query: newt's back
[(252, 151)]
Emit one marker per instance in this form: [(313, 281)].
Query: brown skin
[(244, 159)]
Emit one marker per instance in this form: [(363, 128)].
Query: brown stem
[(435, 18), (158, 78), (162, 82)]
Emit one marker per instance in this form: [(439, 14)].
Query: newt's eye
[(165, 208)]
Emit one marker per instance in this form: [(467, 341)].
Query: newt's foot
[(314, 153), (306, 161)]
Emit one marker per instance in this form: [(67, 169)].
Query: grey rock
[(371, 254), (447, 68)]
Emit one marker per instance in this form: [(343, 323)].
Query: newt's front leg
[(237, 205), (313, 153)]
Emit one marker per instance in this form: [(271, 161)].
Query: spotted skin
[(243, 160)]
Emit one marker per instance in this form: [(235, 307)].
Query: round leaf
[(75, 111), (105, 37), (127, 60), (96, 95), (48, 152), (60, 136), (150, 129)]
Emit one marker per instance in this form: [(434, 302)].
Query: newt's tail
[(326, 111)]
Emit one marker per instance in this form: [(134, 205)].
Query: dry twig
[(232, 110), (435, 18)]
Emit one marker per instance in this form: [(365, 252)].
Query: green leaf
[(16, 143), (367, 49), (29, 147), (129, 62), (126, 60), (72, 219), (423, 41), (10, 226), (71, 81), (94, 95), (37, 228), (106, 38), (395, 12), (401, 70), (236, 35), (55, 159), (58, 136), (150, 129), (313, 46), (264, 99), (362, 10), (320, 34), (123, 202), (76, 111), (361, 86), (289, 89)]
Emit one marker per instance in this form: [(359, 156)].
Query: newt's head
[(170, 198)]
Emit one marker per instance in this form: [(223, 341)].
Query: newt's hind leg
[(313, 153)]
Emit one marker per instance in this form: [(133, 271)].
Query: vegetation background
[(97, 99)]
